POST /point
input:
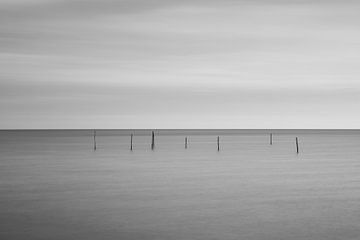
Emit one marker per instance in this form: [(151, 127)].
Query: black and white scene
[(180, 119)]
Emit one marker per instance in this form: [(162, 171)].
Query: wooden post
[(152, 140), (297, 145), (186, 142), (218, 143), (131, 142), (270, 138), (94, 140)]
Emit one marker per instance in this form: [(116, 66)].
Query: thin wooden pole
[(271, 138), (186, 142), (152, 140), (218, 143), (297, 145), (131, 142), (94, 140)]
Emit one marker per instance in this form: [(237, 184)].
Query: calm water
[(54, 186)]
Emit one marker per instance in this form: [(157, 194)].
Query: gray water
[(53, 185)]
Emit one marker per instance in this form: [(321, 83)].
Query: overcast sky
[(179, 64)]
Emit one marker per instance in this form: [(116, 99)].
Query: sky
[(179, 64)]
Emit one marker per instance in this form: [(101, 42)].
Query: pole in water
[(186, 142), (131, 142), (218, 143), (152, 140), (297, 145), (270, 138), (94, 140)]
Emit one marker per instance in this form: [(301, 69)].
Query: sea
[(55, 185)]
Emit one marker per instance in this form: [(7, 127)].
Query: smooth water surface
[(53, 185)]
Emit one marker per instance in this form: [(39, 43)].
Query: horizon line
[(171, 129)]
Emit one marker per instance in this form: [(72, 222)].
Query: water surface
[(53, 185)]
